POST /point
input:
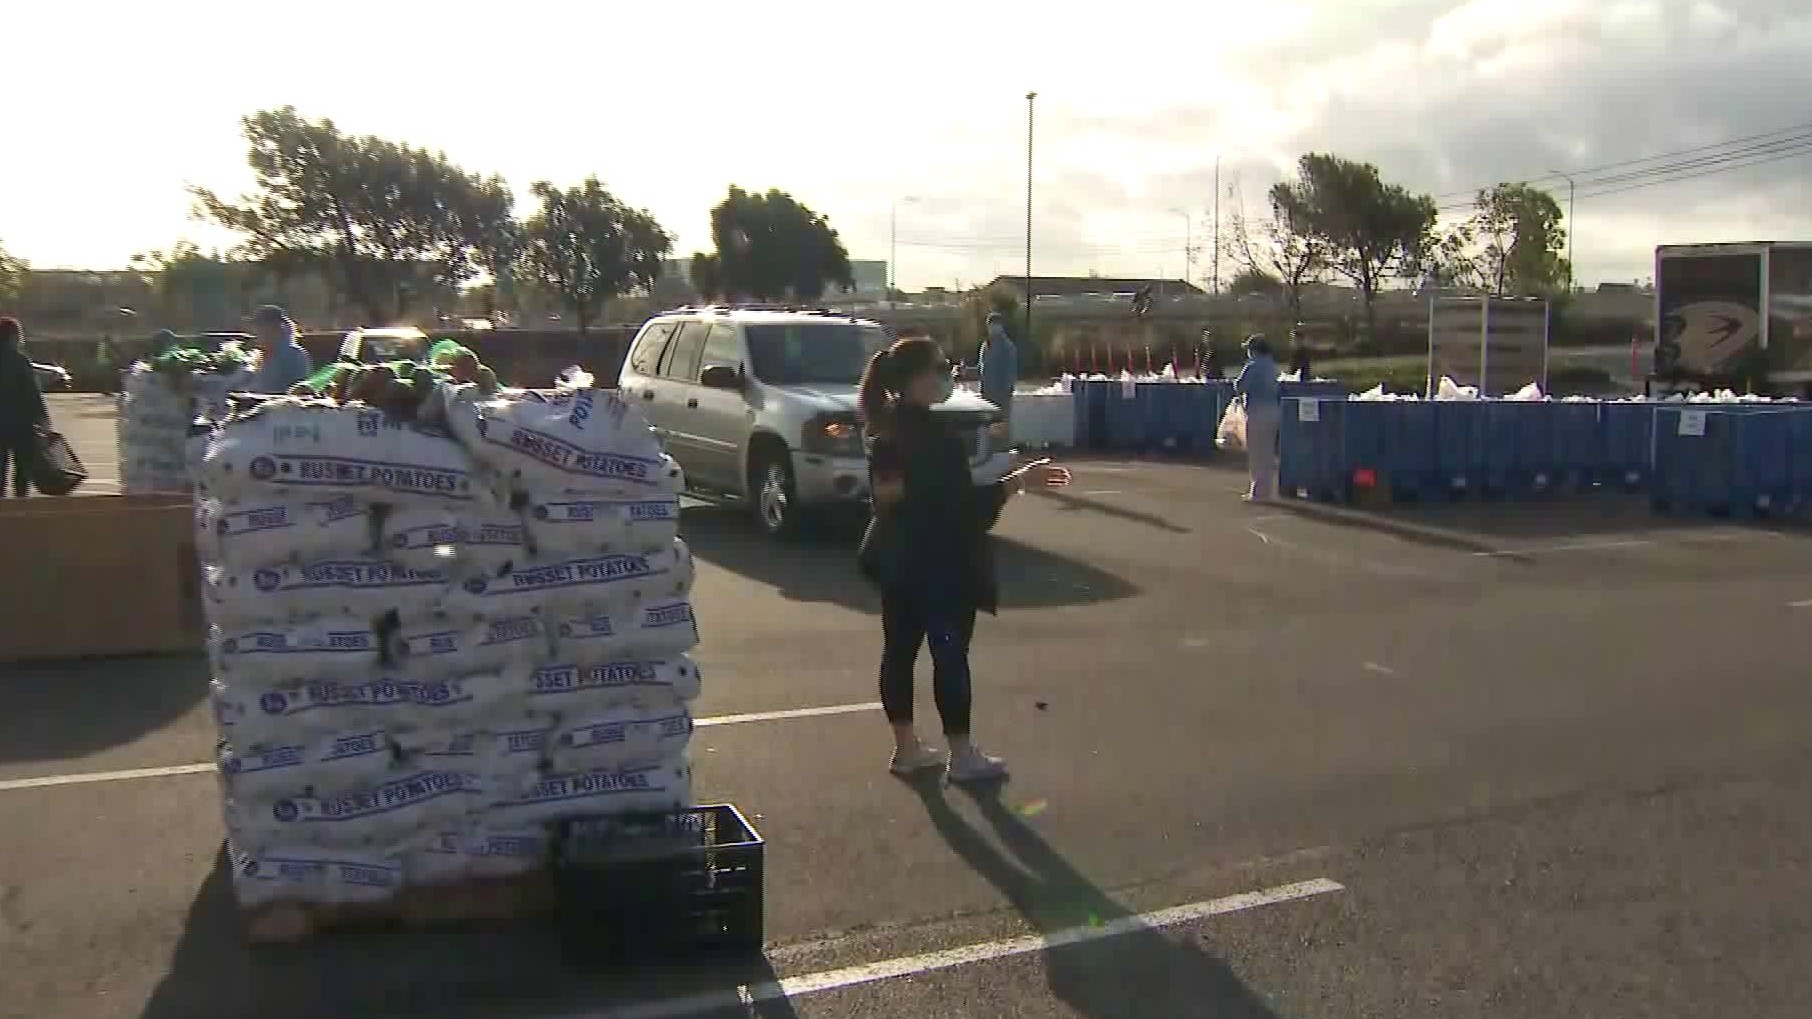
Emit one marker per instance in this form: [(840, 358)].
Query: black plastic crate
[(665, 884)]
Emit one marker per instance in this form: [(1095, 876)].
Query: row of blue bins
[(1736, 458), (1171, 417)]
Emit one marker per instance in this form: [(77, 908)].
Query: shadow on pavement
[(60, 710), (516, 969), (1079, 504), (1136, 975), (821, 566)]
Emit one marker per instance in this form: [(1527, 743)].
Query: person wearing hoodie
[(22, 409), (1257, 384), (283, 361), (999, 365)]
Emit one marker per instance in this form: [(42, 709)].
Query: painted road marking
[(1375, 667), (1803, 603), (85, 777), (1581, 546), (1102, 491), (930, 962)]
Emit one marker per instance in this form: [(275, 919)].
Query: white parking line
[(85, 777), (1803, 603), (1581, 546), (888, 969)]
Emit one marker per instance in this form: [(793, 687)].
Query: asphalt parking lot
[(1268, 761)]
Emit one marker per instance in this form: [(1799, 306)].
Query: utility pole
[(1215, 287), (1030, 96), (893, 252), (1188, 245), (1572, 273)]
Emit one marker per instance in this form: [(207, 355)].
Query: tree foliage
[(1285, 257), (770, 248), (586, 247), (13, 273), (1520, 237), (1372, 231), (380, 218)]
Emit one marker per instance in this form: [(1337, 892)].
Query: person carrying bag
[(23, 414), (927, 548)]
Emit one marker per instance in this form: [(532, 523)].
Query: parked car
[(51, 377), (371, 346), (760, 404)]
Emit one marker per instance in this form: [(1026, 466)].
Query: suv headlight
[(832, 435)]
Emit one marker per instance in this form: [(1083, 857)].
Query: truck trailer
[(1734, 316)]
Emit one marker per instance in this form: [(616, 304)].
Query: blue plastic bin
[(1312, 461), (1627, 434), (1091, 414), (1459, 433)]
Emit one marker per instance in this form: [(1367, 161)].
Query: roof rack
[(796, 309)]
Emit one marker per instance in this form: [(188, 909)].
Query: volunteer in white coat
[(1257, 383)]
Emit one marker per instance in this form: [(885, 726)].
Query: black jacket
[(935, 538), (21, 401)]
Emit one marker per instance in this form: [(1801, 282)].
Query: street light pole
[(1188, 244), (1572, 273), (893, 253), (1215, 287), (1030, 96)]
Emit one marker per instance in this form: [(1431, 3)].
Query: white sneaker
[(914, 759), (971, 765)]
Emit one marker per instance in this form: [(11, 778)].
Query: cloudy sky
[(918, 110)]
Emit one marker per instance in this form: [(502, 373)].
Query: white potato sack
[(580, 525), (474, 539), (443, 646), (450, 856), (574, 690), (310, 874), (395, 810), (663, 787), (475, 751), (564, 586), (306, 447), (265, 654), (247, 535), (623, 738), (267, 771), (362, 588), (299, 710), (653, 629), (583, 440)]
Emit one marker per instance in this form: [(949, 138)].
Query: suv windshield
[(808, 353)]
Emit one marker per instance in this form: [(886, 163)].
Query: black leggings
[(909, 619), (16, 456)]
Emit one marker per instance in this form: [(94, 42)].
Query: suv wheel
[(771, 495)]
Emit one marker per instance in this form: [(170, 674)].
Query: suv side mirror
[(720, 376)]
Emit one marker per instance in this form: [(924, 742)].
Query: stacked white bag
[(428, 646), (155, 410)]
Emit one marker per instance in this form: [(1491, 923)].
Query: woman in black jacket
[(22, 409), (927, 548)]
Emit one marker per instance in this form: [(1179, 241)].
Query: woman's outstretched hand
[(1049, 475)]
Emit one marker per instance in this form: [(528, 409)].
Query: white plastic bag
[(247, 535), (1447, 389), (310, 874), (265, 654), (269, 771), (1231, 435), (667, 786), (441, 646), (1530, 393), (563, 586), (584, 440), (293, 447), (361, 588), (572, 690), (654, 630), (576, 525)]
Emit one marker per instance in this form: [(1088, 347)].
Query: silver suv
[(760, 404)]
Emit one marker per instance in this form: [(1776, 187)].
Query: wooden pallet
[(476, 899)]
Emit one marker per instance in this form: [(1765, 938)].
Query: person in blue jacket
[(999, 365), (284, 362), (1257, 384)]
